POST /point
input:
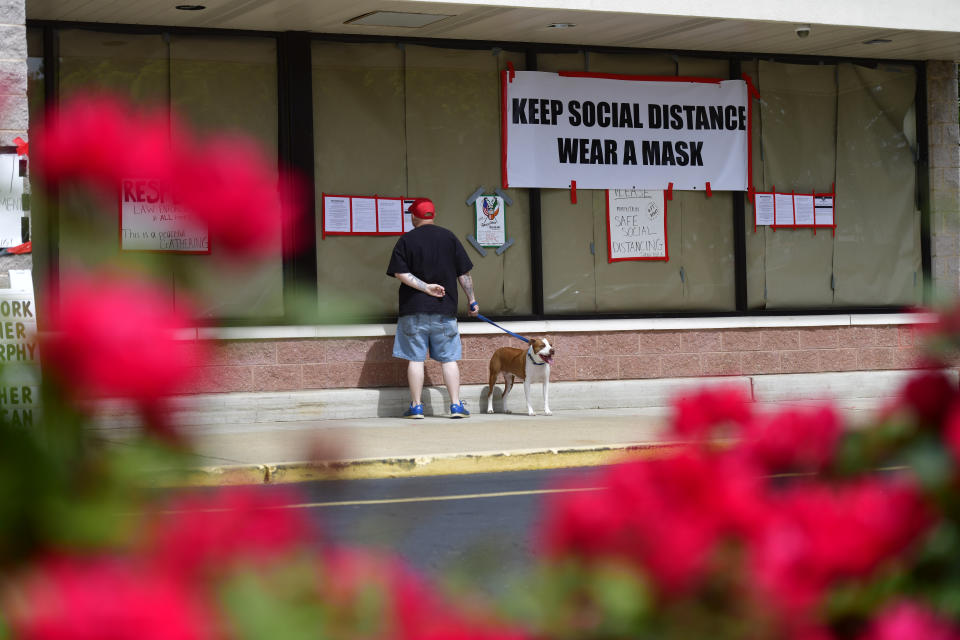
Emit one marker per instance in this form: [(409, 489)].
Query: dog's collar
[(530, 355)]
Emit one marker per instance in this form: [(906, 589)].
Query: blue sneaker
[(415, 412), (459, 411)]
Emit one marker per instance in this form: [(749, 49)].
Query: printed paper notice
[(336, 214), (783, 215), (491, 221), (390, 215), (364, 215), (804, 209), (763, 208), (823, 210), (636, 219), (151, 221), (407, 221), (11, 201)]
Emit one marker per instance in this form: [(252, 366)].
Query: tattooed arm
[(466, 282), (412, 281)]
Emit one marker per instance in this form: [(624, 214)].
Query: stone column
[(13, 71), (14, 114), (943, 133)]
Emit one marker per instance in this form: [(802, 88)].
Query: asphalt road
[(480, 528)]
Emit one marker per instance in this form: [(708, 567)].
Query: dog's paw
[(548, 413), (531, 413), (489, 410)]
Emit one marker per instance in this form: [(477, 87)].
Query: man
[(429, 261)]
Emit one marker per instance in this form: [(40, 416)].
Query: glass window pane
[(419, 122), (577, 275), (229, 86)]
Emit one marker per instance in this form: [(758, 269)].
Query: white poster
[(763, 208), (607, 132), (823, 210), (336, 214), (636, 225), (389, 215), (407, 218), (783, 209), (364, 211), (11, 201), (19, 356), (150, 220), (491, 221), (803, 208)]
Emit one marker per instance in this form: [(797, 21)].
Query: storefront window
[(421, 122), (577, 277), (845, 125), (217, 85)]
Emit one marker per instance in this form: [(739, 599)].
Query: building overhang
[(880, 29)]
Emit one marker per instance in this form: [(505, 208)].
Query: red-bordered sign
[(639, 228), (351, 215)]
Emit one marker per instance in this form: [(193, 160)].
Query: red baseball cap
[(422, 208)]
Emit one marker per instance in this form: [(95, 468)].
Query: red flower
[(230, 185), (928, 394), (910, 621), (99, 140), (815, 534), (213, 531), (409, 608), (664, 515), (113, 337), (799, 438), (226, 182), (106, 599), (952, 431), (698, 415)]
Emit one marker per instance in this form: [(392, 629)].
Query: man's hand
[(412, 281), (435, 290), (474, 308)]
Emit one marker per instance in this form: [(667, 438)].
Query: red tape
[(573, 192), (23, 148), (511, 72), (669, 194), (751, 89), (709, 190)]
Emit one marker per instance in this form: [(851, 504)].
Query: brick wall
[(290, 365)]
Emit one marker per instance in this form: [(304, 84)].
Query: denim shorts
[(422, 331)]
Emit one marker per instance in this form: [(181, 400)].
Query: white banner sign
[(614, 132)]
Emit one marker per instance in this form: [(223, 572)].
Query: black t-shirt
[(434, 255)]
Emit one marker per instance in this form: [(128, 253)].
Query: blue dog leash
[(473, 305)]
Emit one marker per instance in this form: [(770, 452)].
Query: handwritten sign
[(636, 225), (491, 221), (11, 200), (150, 220)]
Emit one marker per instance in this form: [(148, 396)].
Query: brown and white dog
[(532, 364)]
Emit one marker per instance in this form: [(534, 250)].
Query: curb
[(415, 466)]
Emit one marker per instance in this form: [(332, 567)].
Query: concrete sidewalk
[(352, 433), (356, 448), (396, 447)]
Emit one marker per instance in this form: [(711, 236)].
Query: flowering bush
[(782, 524)]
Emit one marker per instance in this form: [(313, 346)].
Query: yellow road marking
[(463, 496)]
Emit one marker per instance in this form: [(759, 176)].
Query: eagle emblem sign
[(491, 223)]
